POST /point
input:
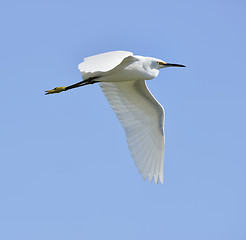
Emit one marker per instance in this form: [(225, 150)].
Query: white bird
[(122, 76)]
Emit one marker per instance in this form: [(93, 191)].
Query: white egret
[(122, 76)]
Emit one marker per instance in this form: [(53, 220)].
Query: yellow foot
[(55, 90)]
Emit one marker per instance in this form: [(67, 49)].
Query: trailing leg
[(79, 84)]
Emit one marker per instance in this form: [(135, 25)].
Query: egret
[(122, 76)]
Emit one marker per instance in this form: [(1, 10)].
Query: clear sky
[(65, 168)]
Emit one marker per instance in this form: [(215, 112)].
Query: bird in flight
[(122, 76)]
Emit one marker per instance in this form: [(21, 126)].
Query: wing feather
[(101, 63), (142, 117)]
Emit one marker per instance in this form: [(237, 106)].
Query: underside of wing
[(101, 63), (142, 118)]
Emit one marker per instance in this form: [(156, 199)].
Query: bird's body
[(125, 68), (122, 79)]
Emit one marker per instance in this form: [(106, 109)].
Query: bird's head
[(161, 64)]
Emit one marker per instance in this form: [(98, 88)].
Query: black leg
[(83, 83)]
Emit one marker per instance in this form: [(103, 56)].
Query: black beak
[(173, 65)]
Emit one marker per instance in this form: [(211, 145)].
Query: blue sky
[(65, 168)]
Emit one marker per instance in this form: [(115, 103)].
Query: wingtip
[(150, 178), (157, 178)]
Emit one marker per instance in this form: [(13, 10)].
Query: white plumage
[(122, 78), (103, 62), (142, 117)]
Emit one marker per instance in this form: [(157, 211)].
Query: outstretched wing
[(142, 117), (101, 63)]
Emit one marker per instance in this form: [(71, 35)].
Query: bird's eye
[(161, 63)]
